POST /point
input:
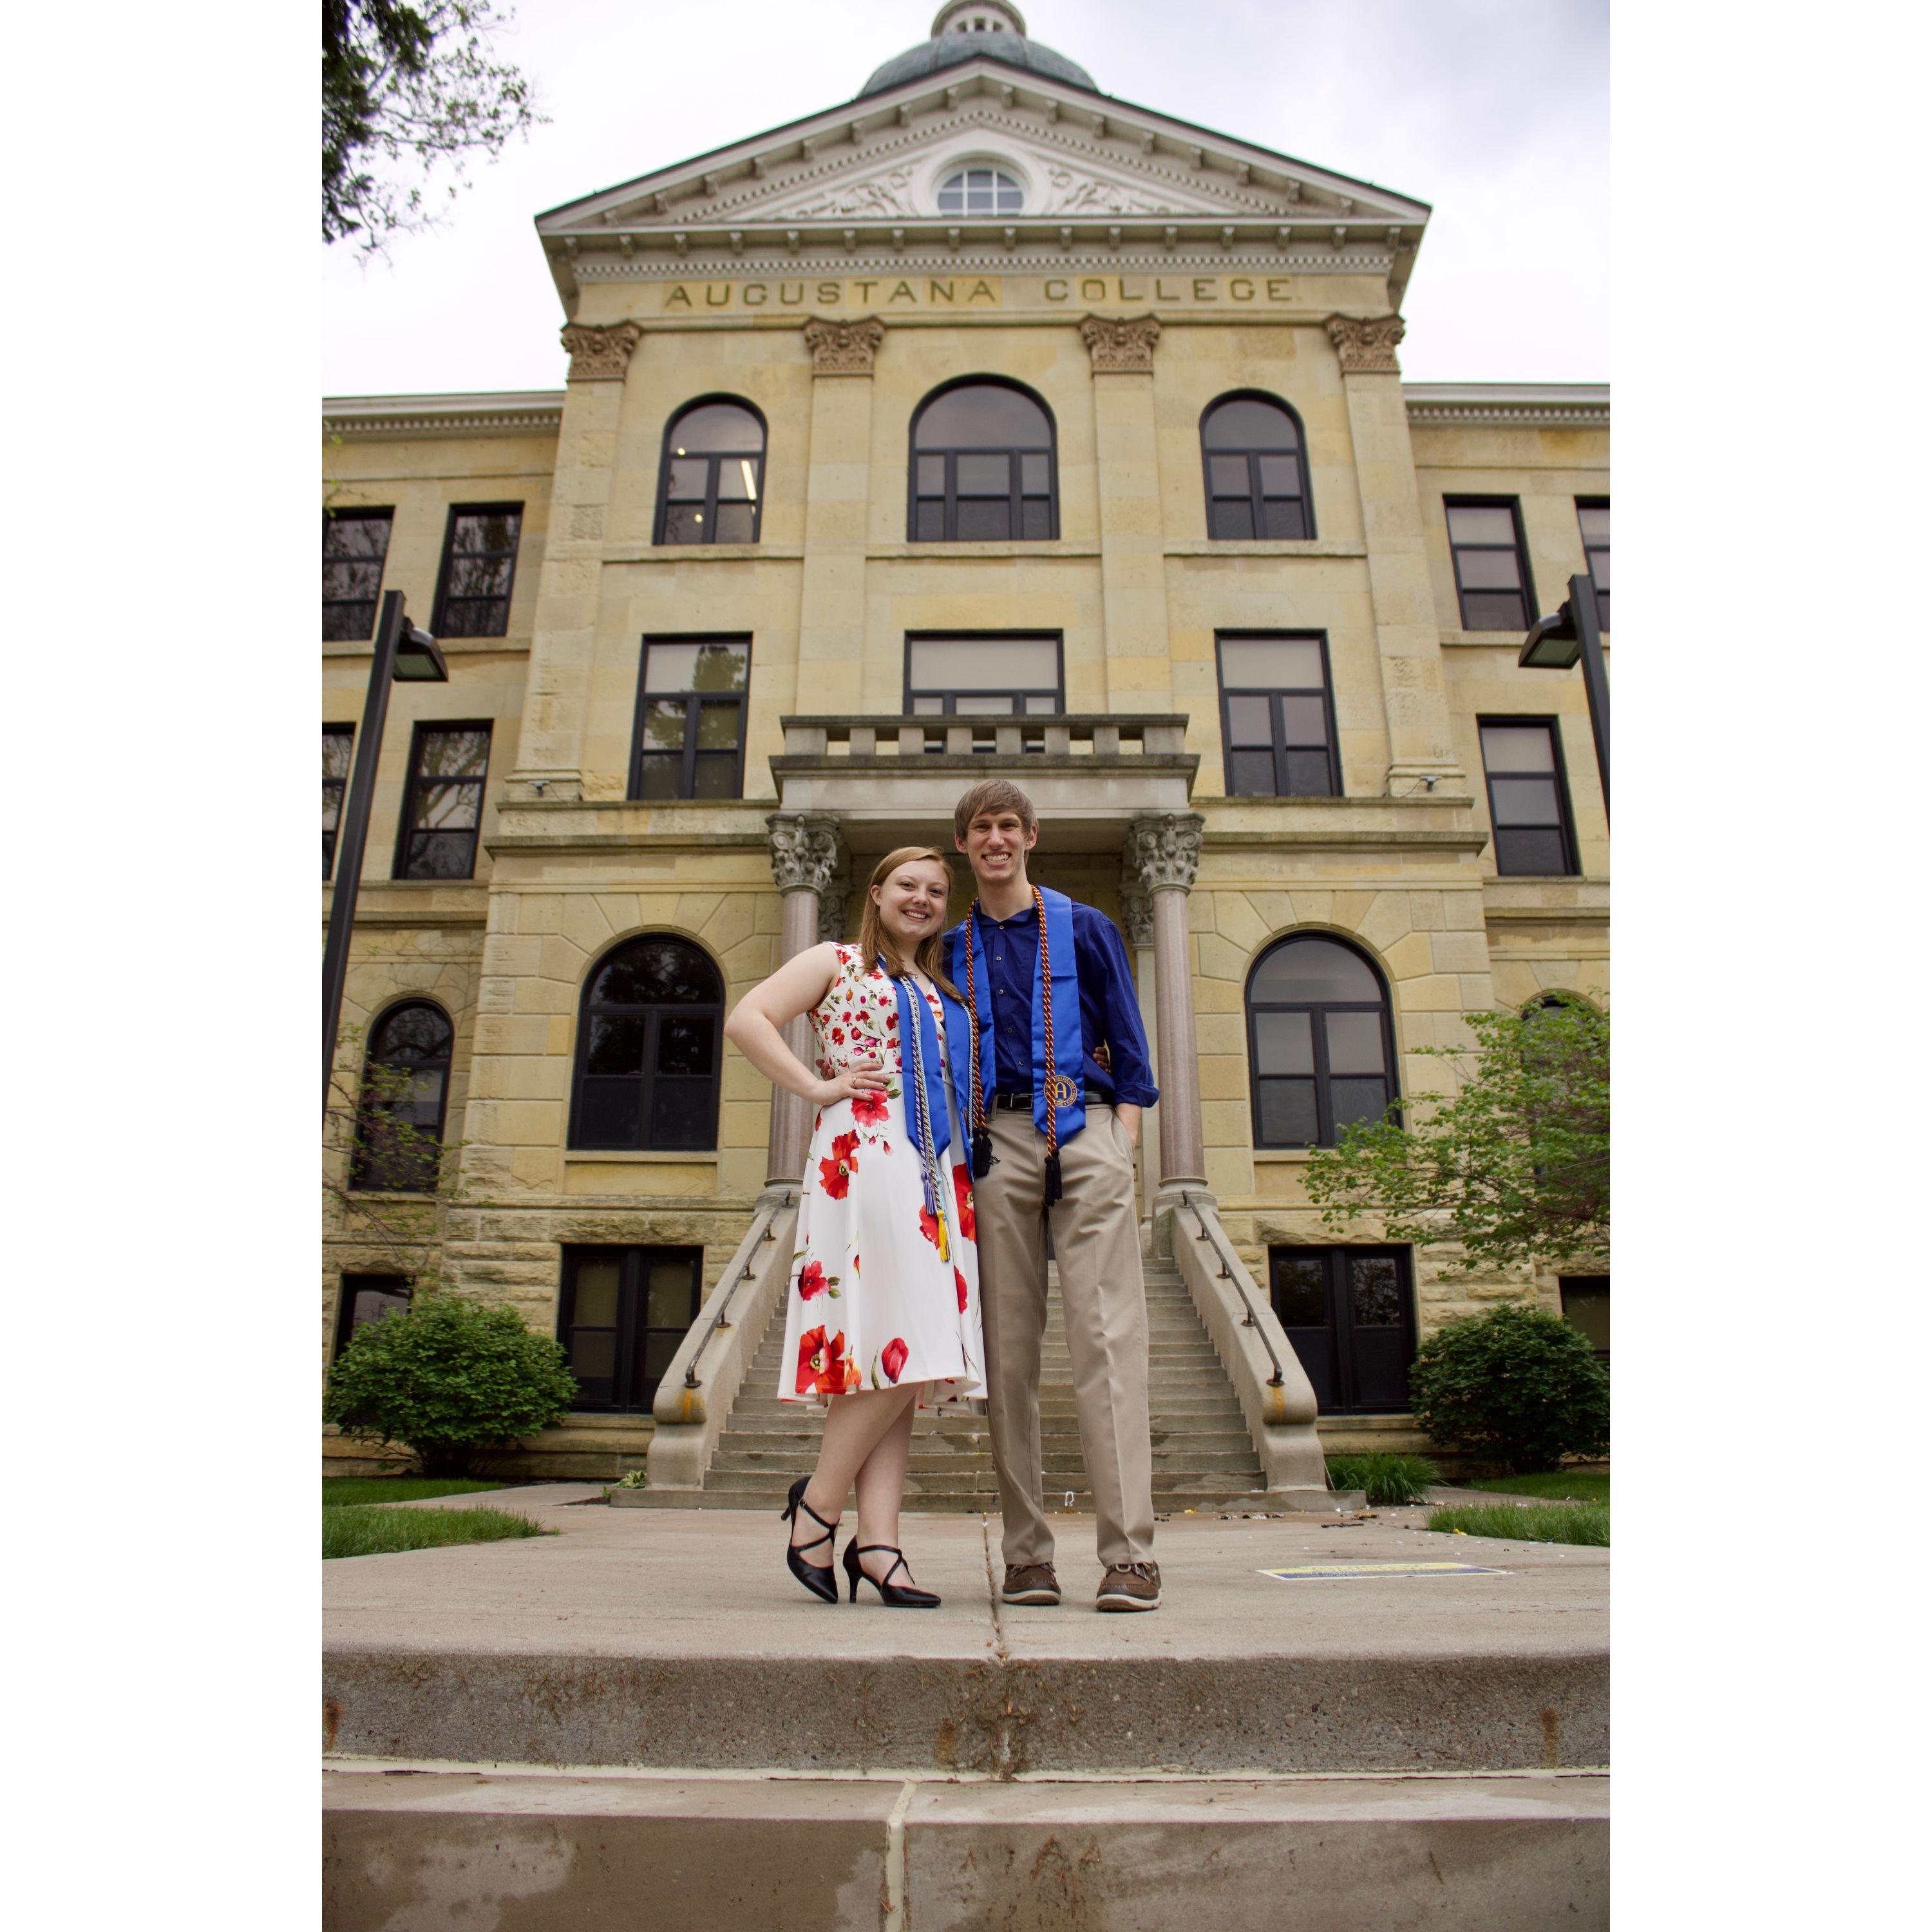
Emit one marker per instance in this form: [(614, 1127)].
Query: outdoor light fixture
[(419, 659), (1556, 643), (1553, 645)]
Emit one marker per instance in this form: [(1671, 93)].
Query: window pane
[(1288, 1112), (718, 726), (1281, 475), (1284, 518), (1489, 570), (929, 520), (690, 478), (487, 530), (337, 749), (1594, 522), (1525, 801), (670, 667), (1308, 774), (1374, 1291), (608, 1115), (1035, 479), (1250, 721), (1246, 423), (715, 775), (351, 580), (448, 807), (453, 754), (1232, 518), (952, 196), (1355, 1043), (1277, 663), (681, 1113), (985, 475), (687, 1043), (1469, 524), (594, 1304), (1010, 197), (1300, 1290), (1535, 852), (1251, 774), (593, 1356), (1284, 1043), (738, 480), (737, 524), (1304, 720), (413, 1036), (1228, 474), (1586, 1307), (1036, 519), (347, 623), (656, 971), (983, 663), (375, 1304), (441, 855), (982, 707), (984, 520), (1517, 747), (717, 426), (658, 774), (474, 618), (684, 524), (1353, 1100), (1314, 970), (617, 1044), (983, 416), (1494, 611), (931, 475), (354, 536), (1600, 569), (1041, 707), (670, 1296)]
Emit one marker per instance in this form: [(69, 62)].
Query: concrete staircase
[(1203, 1456)]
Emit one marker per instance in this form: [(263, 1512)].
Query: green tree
[(451, 1377), (408, 82), (1513, 1168)]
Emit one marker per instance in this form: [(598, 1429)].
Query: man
[(1053, 1093)]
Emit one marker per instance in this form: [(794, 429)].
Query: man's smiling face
[(996, 843)]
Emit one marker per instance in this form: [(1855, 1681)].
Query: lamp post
[(1556, 643), (403, 655)]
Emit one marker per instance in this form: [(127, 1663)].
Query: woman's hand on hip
[(865, 1078)]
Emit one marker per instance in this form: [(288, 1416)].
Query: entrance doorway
[(1350, 1314), (624, 1312)]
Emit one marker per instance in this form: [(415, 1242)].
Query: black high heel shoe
[(817, 1577), (894, 1596)]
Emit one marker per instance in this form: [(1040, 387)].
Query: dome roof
[(1002, 38)]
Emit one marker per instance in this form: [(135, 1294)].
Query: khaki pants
[(1096, 1242)]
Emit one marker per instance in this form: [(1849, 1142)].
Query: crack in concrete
[(993, 1594)]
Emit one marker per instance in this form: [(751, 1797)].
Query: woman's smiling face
[(912, 902)]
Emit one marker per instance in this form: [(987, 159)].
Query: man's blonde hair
[(993, 795)]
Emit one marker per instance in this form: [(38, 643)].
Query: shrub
[(1518, 1387), (449, 1376), (1387, 1480)]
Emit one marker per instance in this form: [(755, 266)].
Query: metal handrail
[(1248, 1320), (721, 1299)]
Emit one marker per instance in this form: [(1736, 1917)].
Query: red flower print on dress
[(838, 1036), (869, 1109), (962, 1193), (823, 1367), (892, 1358), (835, 1175), (812, 1281), (891, 1023), (959, 1284), (929, 1225)]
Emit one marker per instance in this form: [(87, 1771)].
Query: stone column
[(838, 487), (806, 853), (1133, 570), (1164, 852), (1403, 598), (1137, 914), (563, 641)]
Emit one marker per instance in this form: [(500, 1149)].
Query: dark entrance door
[(1350, 1314), (624, 1312)]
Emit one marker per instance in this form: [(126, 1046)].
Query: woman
[(883, 1309)]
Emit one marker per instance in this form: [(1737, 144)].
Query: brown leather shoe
[(1030, 1583), (1129, 1586)]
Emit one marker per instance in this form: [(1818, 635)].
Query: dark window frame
[(652, 1015), (1339, 1324), (1590, 554), (1579, 1285), (348, 1286), (1559, 772), (1306, 495), (1325, 1135), (406, 828), (359, 1180), (359, 514), (329, 832), (985, 722), (441, 626), (1016, 493), (713, 457), (631, 1394), (1273, 693), (1514, 506), (694, 703)]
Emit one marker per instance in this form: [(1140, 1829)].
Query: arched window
[(647, 1051), (1251, 451), (983, 190), (712, 477), (405, 1090), (982, 467), (1320, 1044)]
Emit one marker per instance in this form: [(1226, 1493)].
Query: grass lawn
[(1558, 1485), (1527, 1523), (366, 1529), (397, 1489)]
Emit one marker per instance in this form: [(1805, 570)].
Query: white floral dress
[(882, 1290)]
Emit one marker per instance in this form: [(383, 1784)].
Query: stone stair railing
[(1273, 1388), (695, 1399)]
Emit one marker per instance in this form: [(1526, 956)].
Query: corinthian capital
[(844, 348), (601, 355), (1121, 346), (1366, 346), (806, 849), (1163, 851)]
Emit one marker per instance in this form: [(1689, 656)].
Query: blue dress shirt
[(1108, 1011)]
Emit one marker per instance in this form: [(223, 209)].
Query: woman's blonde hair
[(874, 950)]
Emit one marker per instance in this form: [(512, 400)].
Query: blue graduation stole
[(924, 1070), (1059, 1109)]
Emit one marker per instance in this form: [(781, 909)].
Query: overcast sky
[(1495, 112)]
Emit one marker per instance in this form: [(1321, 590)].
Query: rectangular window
[(354, 543), (479, 565), (984, 676), (691, 695), (1529, 799), (982, 496), (1350, 1314), (443, 807), (364, 1298), (623, 1312), (1593, 519), (1277, 717), (1491, 567), (338, 744), (1586, 1307)]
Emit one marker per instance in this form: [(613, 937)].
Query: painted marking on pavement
[(1296, 1572)]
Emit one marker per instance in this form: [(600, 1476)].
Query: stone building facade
[(980, 212)]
